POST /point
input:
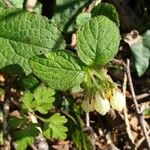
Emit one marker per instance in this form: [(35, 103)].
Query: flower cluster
[(116, 101)]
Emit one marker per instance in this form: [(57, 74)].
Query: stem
[(40, 118), (139, 113)]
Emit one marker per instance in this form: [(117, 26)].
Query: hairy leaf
[(82, 19), (17, 3), (54, 127), (28, 82), (107, 10), (66, 12), (98, 41), (60, 70), (23, 35)]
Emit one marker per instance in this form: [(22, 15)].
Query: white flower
[(101, 105), (118, 101)]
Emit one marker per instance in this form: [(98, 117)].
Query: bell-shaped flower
[(118, 101), (100, 104)]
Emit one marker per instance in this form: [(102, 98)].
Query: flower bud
[(101, 105), (118, 101)]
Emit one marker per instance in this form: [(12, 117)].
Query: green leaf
[(54, 127), (141, 56), (26, 137), (23, 35), (2, 4), (60, 70), (81, 140), (14, 122), (146, 39), (66, 12), (98, 41), (82, 19), (27, 99), (28, 82), (2, 92), (42, 100), (107, 10), (43, 96), (146, 112), (17, 3)]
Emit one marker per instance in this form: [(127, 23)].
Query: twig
[(69, 116), (5, 124), (128, 129), (30, 4), (6, 107), (139, 113), (73, 39), (141, 140), (87, 120), (142, 96), (110, 143)]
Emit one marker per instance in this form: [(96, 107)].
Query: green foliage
[(82, 19), (54, 127), (59, 69), (23, 35), (41, 100), (107, 10), (15, 122), (98, 41), (2, 92), (146, 39), (66, 12), (11, 3), (142, 56), (76, 127), (26, 136), (81, 140), (33, 44), (141, 52), (147, 112), (28, 82), (2, 4), (17, 3)]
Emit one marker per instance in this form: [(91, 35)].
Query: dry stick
[(87, 119), (140, 115), (30, 4), (141, 140), (142, 96), (6, 107), (128, 129)]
